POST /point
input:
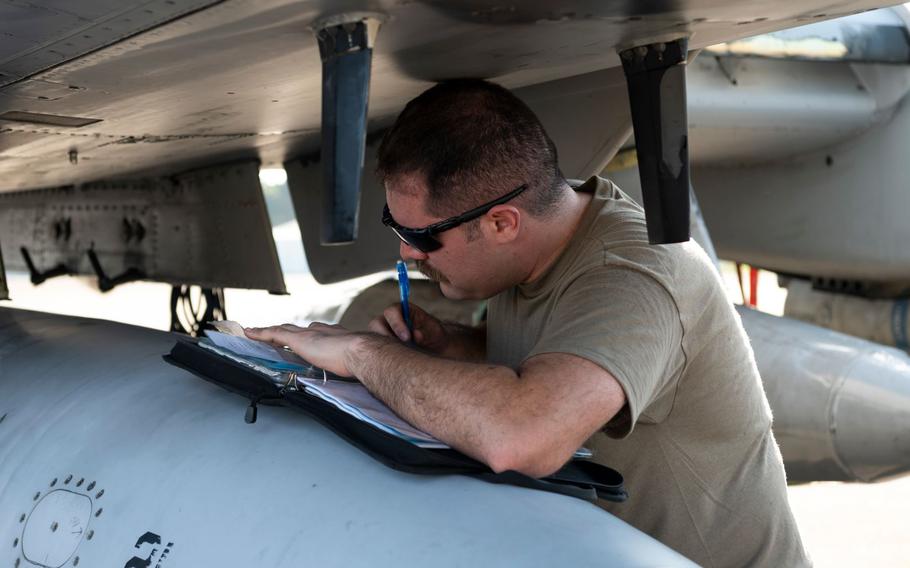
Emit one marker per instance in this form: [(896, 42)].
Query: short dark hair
[(472, 141)]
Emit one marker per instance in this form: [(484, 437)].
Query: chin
[(454, 293), (448, 291)]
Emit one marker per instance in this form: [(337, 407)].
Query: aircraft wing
[(144, 121), (101, 89)]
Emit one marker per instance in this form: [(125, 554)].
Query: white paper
[(357, 401), (229, 327), (251, 348)]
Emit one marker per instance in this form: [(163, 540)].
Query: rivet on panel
[(80, 482), (68, 479), (99, 494), (90, 486), (35, 498), (98, 512)]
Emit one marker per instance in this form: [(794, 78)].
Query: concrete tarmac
[(854, 524)]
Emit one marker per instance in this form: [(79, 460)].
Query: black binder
[(578, 478)]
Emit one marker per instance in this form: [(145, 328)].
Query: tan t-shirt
[(694, 441)]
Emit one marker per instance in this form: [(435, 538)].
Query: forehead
[(406, 196), (411, 183)]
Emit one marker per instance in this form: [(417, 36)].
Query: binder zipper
[(252, 411)]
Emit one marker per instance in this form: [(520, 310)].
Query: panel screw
[(54, 482), (54, 526), (98, 512), (89, 535), (99, 494), (35, 498), (90, 486), (68, 479), (79, 483)]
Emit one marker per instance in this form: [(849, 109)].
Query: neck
[(555, 233)]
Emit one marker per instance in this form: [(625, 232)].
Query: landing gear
[(192, 307)]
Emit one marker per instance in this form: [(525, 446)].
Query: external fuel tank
[(841, 404)]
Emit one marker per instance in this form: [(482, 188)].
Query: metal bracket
[(38, 276), (656, 78), (208, 227), (345, 46), (105, 282)]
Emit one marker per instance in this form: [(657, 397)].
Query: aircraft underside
[(131, 137)]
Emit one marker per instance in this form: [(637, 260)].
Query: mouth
[(431, 272)]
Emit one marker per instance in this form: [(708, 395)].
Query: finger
[(395, 320), (275, 334), (253, 332), (380, 326)]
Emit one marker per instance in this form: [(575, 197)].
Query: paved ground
[(855, 525)]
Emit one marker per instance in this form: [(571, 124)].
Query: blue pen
[(404, 290)]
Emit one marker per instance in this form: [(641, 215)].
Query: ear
[(502, 223)]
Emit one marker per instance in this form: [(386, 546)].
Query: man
[(593, 337)]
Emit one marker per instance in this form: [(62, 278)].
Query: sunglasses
[(425, 239)]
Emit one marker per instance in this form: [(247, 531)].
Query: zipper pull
[(251, 412)]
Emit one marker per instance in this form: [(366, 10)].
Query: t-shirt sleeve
[(626, 322)]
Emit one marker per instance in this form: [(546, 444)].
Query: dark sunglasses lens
[(419, 241)]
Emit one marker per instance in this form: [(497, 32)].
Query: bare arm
[(530, 421)]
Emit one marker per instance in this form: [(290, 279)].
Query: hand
[(429, 332), (323, 345)]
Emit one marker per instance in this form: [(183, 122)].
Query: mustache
[(430, 272)]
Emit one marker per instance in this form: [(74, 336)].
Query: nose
[(407, 252)]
